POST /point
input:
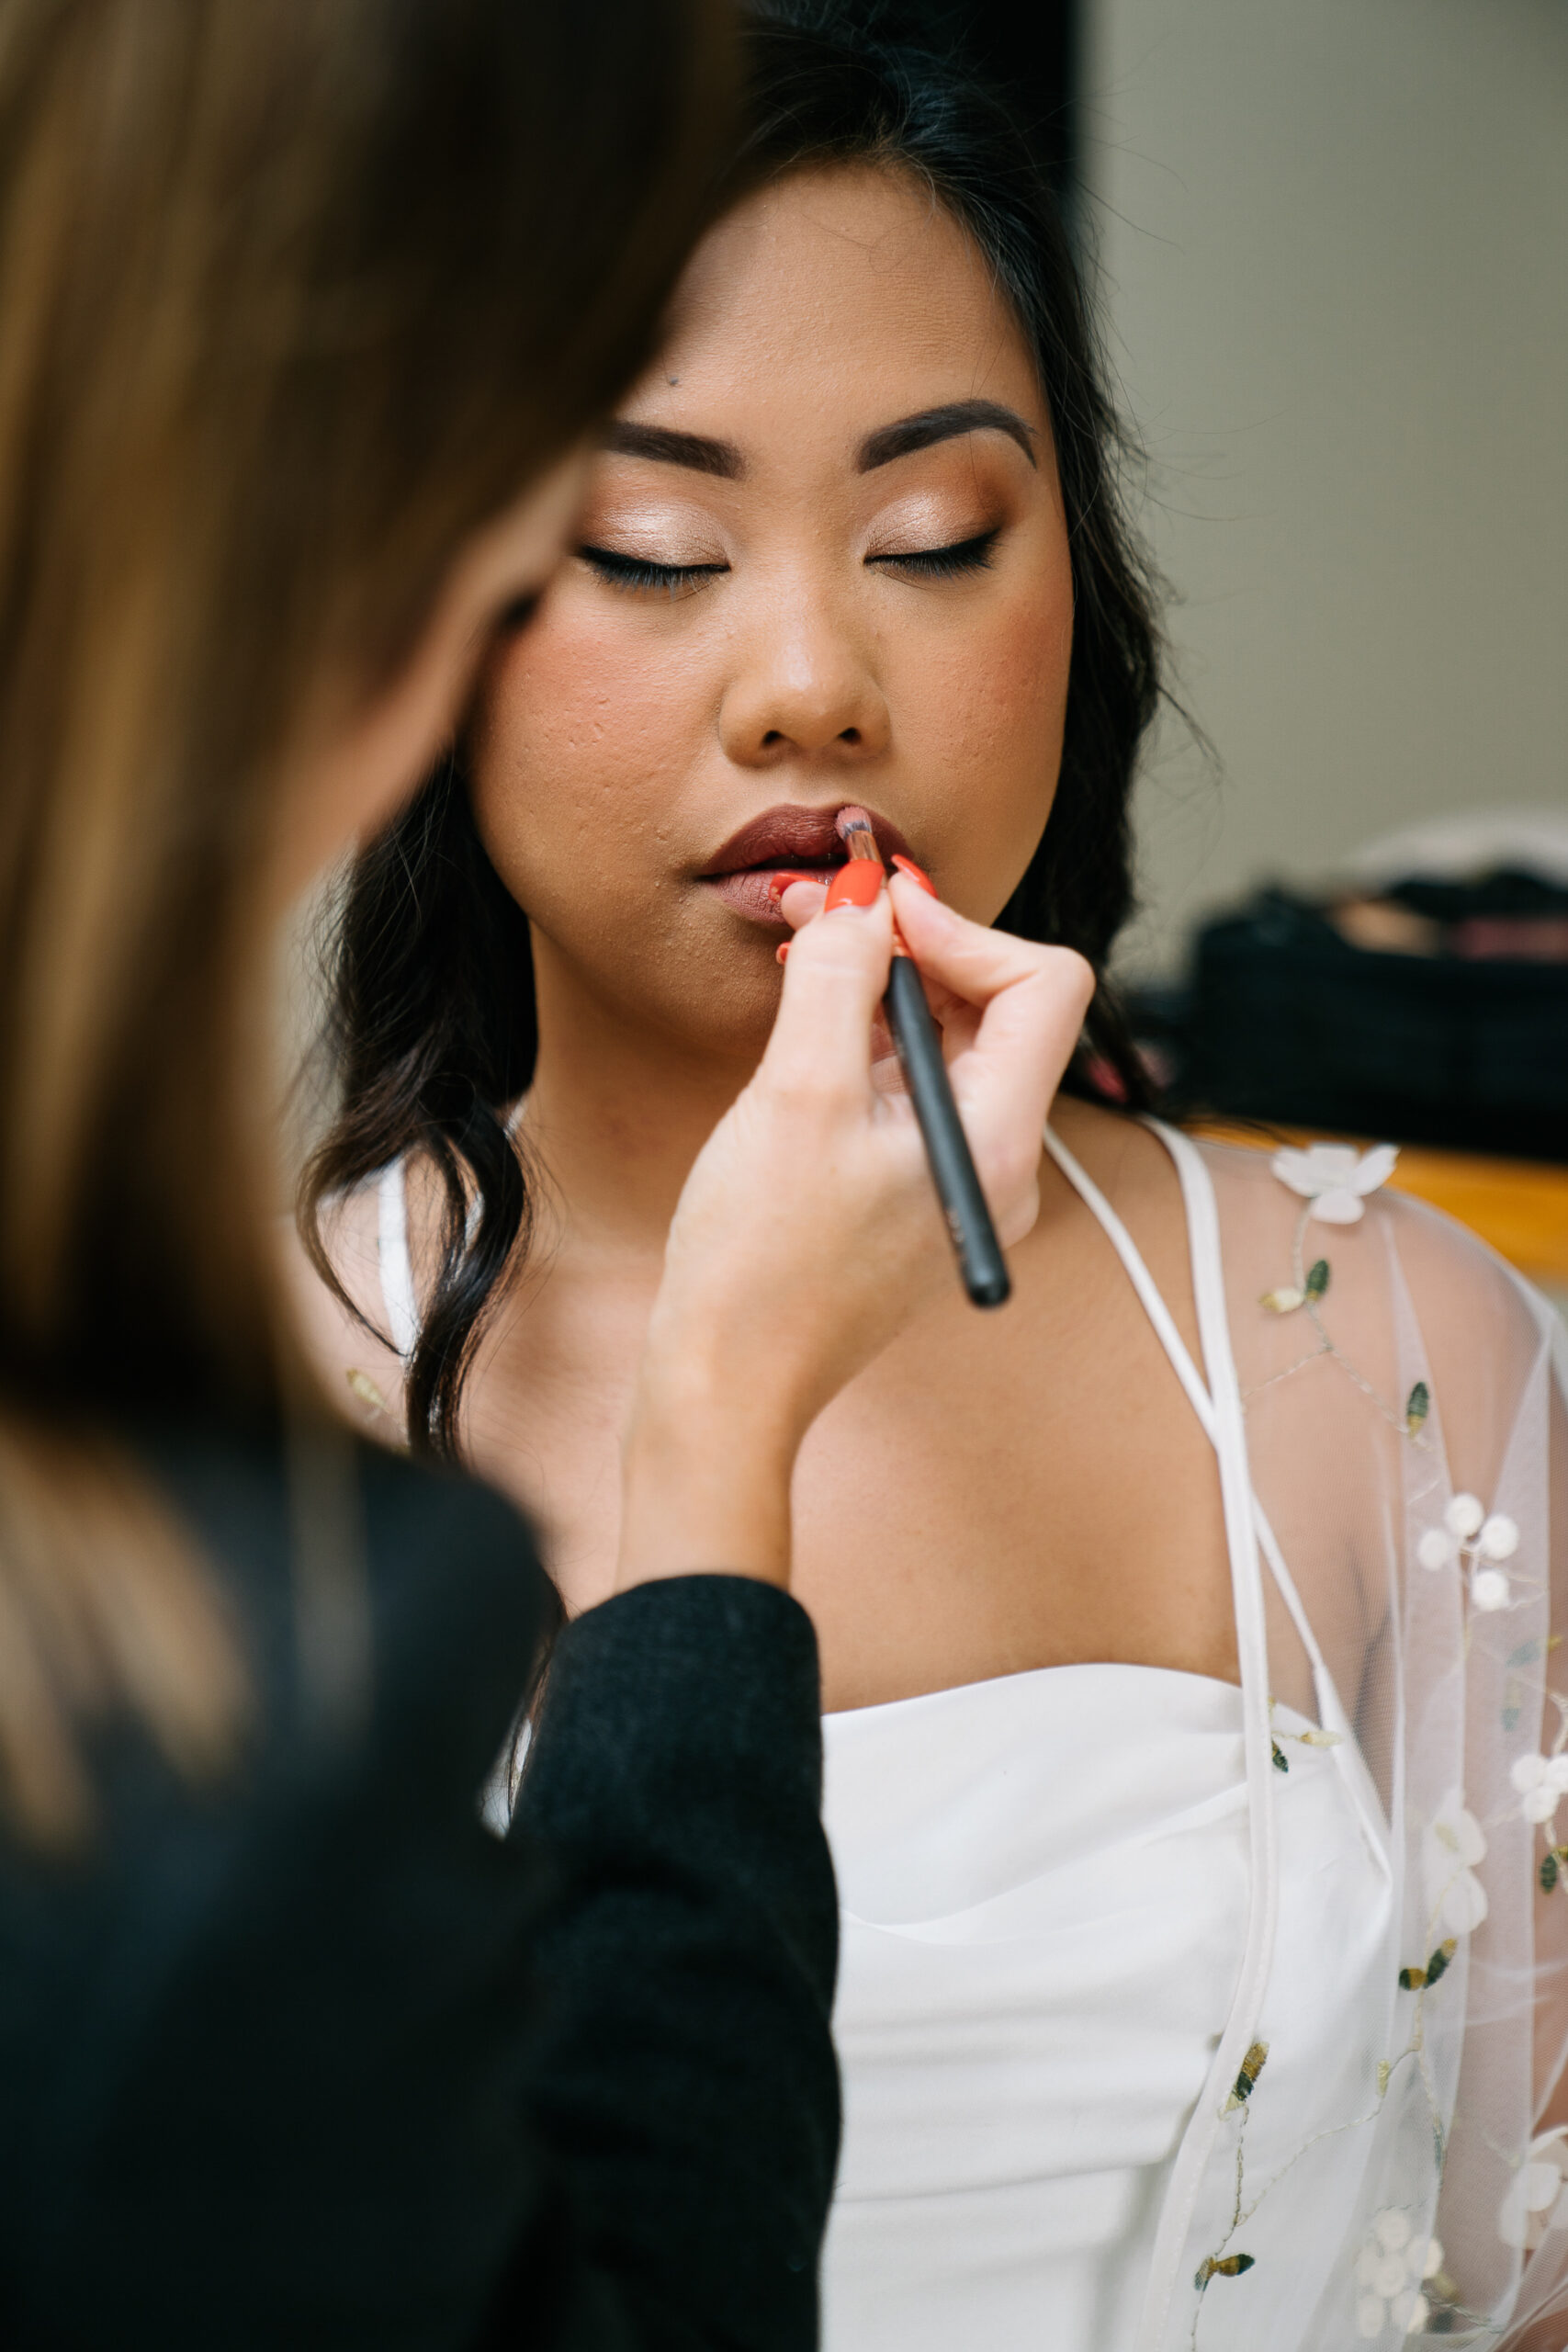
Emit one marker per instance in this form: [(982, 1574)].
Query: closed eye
[(639, 573), (942, 563)]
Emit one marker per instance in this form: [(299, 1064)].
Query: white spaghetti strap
[(1217, 1403), (1241, 1535), (1160, 1315), (392, 1253), (1142, 1281)]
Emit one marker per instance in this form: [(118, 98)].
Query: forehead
[(829, 303)]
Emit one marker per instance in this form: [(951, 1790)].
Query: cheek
[(586, 738), (990, 708)]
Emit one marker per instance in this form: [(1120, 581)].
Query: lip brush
[(980, 1260)]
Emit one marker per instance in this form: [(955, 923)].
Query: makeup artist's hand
[(808, 1231)]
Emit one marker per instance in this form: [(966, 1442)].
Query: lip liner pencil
[(980, 1260)]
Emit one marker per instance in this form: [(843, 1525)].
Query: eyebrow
[(944, 423), (667, 448)]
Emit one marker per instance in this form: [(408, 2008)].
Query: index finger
[(833, 982)]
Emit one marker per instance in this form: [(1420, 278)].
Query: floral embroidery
[(1333, 1181), (1534, 2200), (1542, 1782), (1230, 2266), (1451, 1846), (1252, 2067), (1468, 1535), (1314, 1286), (1416, 1980), (1390, 2271), (1335, 1178)]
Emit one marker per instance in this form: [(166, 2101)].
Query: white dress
[(1173, 2021), (1045, 1893)]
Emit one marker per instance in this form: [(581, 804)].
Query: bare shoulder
[(1131, 1166), (1123, 1156)]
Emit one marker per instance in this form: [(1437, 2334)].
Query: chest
[(997, 1493)]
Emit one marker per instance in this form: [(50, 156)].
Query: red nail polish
[(781, 954), (855, 885), (781, 883), (916, 873)]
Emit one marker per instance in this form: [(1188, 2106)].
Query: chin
[(732, 1020)]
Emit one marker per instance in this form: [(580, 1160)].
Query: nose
[(802, 688)]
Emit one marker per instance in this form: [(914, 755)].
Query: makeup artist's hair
[(433, 977), (294, 297)]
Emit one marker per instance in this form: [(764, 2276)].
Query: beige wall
[(1334, 242)]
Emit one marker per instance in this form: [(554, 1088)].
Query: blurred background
[(1330, 243)]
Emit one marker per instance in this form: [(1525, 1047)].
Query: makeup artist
[(304, 310)]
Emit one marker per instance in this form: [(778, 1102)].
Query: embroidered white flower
[(1467, 1529), (1335, 1177), (1454, 1844), (1542, 1782), (1391, 2270), (1536, 2199), (1499, 1538)]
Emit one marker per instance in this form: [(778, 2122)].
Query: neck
[(617, 1111)]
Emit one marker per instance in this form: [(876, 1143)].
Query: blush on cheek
[(990, 719)]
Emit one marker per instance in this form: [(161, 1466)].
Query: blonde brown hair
[(292, 298)]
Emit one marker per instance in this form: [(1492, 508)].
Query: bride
[(1193, 1734)]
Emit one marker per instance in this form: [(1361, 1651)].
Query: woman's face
[(823, 559)]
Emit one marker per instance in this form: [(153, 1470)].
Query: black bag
[(1287, 1021)]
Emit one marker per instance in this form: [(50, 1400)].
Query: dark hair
[(434, 996)]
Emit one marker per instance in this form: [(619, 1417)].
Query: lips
[(785, 840)]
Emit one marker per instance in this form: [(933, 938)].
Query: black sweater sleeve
[(685, 2079), (314, 2059)]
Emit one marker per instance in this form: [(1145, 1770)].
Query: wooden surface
[(1520, 1207)]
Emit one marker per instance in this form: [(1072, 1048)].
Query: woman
[(304, 311), (1186, 1766)]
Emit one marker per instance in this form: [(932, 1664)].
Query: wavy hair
[(432, 980)]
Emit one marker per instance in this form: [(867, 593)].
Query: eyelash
[(636, 572), (640, 574), (944, 564)]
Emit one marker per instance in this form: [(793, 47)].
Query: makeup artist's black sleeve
[(271, 2066), (686, 2078)]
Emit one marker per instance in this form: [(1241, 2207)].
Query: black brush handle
[(980, 1260)]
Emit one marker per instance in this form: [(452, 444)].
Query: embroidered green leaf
[(1548, 1872), (1281, 1761), (1282, 1301), (1526, 1655), (1411, 1979), (1252, 2067), (1510, 1718), (1317, 1278), (1230, 2267), (1417, 1404)]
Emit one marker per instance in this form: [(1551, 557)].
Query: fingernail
[(916, 873), (858, 884), (781, 883), (781, 955)]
